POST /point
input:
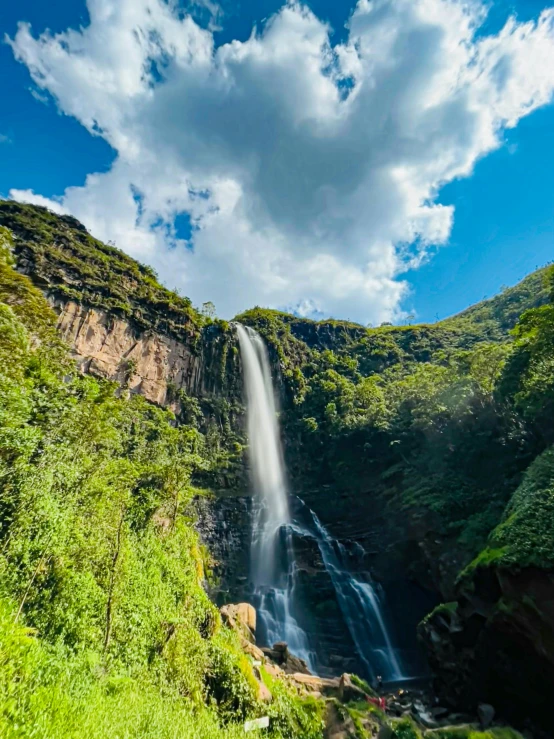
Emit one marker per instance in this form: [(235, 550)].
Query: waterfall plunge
[(273, 567), (361, 609), (266, 458)]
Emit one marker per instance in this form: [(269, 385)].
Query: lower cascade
[(273, 562)]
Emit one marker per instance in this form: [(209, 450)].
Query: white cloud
[(28, 196), (307, 170)]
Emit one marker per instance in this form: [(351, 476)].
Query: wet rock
[(423, 716), (289, 662), (486, 714), (496, 646), (225, 527), (399, 709), (458, 718)]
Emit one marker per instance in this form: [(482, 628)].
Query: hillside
[(60, 255), (371, 412), (425, 450)]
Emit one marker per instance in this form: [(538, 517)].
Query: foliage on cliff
[(525, 536), (408, 418), (440, 418), (63, 258), (105, 628)]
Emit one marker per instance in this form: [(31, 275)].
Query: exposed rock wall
[(496, 644), (152, 364), (225, 527)]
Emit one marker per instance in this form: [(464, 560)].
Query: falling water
[(273, 566), (361, 609), (361, 602)]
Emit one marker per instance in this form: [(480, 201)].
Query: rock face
[(152, 364), (288, 662), (121, 324), (225, 526), (241, 618), (497, 645)]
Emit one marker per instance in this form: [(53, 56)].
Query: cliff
[(154, 364), (117, 319), (496, 642), (410, 443)]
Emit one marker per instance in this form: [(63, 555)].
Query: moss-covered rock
[(497, 642)]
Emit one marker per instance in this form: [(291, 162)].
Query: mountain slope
[(409, 442)]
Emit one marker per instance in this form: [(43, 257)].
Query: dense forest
[(105, 627), (441, 417), (444, 429)]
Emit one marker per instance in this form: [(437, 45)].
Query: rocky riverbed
[(354, 709)]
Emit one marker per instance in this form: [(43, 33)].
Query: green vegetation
[(105, 628), (406, 729), (361, 683), (403, 415), (525, 537), (494, 317), (443, 418), (468, 732), (437, 417), (447, 609), (59, 254)]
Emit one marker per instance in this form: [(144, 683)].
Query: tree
[(208, 309)]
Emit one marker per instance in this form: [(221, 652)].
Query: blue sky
[(284, 248)]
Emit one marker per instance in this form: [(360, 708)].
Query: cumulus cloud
[(28, 196), (310, 172)]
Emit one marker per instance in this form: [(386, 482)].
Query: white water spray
[(273, 567), (361, 609), (266, 457)]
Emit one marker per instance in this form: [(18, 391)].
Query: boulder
[(496, 646), (241, 617), (423, 716), (486, 714), (348, 691), (289, 662), (251, 649), (313, 684), (274, 670)]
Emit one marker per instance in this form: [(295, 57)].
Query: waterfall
[(273, 566), (361, 609)]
